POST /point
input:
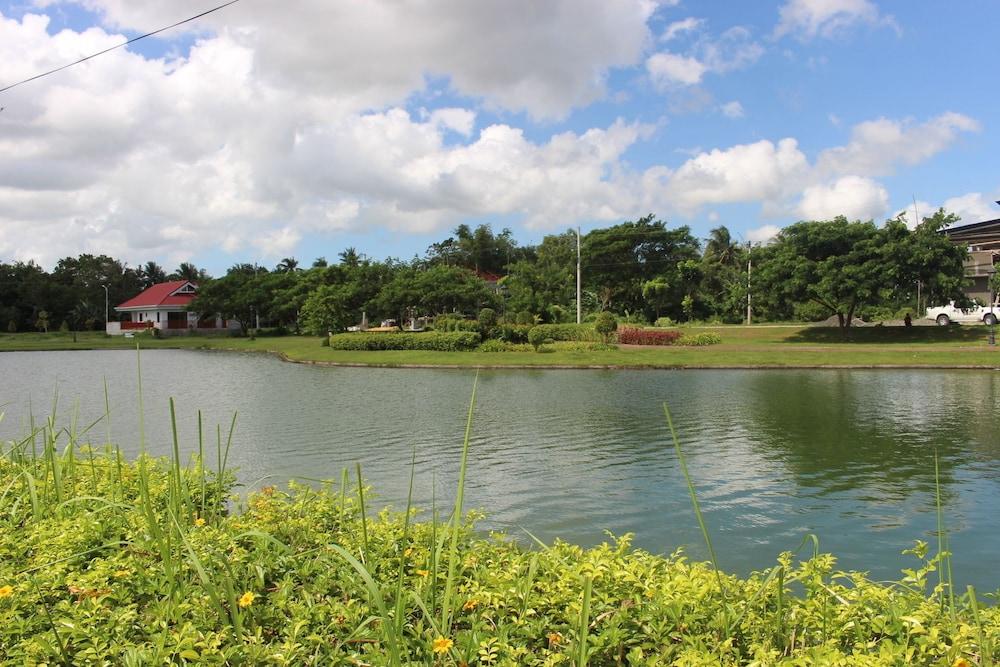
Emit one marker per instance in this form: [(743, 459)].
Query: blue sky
[(265, 131)]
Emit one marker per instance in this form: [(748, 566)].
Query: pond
[(847, 455)]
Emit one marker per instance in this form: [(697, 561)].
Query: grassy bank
[(104, 561), (758, 346)]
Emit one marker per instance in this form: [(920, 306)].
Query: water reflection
[(848, 455)]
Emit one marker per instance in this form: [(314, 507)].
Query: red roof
[(161, 294)]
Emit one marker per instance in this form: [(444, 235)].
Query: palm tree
[(350, 258), (152, 273), (287, 265), (188, 271), (720, 246)]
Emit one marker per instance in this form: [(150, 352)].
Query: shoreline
[(541, 367)]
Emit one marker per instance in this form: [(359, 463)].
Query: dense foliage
[(437, 341), (641, 271), (842, 266), (109, 562)]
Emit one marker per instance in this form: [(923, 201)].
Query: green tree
[(239, 295), (152, 273), (618, 261), (843, 265)]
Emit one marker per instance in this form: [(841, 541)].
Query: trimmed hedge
[(437, 341), (699, 340), (580, 332), (452, 323), (630, 336)]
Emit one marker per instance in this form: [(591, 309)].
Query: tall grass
[(414, 618)]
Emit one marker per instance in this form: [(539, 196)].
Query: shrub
[(117, 592), (584, 332), (64, 327), (494, 345), (455, 323), (632, 336), (698, 340), (579, 346), (512, 333), (487, 318), (524, 317), (438, 341), (605, 325), (537, 336), (663, 322)]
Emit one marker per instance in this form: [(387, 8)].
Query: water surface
[(845, 454)]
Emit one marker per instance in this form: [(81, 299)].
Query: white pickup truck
[(945, 315)]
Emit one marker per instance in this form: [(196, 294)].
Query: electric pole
[(579, 305)]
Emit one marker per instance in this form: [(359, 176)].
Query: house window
[(157, 317)]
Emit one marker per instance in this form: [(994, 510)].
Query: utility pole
[(579, 305), (749, 268), (105, 308)]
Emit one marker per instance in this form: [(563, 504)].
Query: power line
[(118, 46)]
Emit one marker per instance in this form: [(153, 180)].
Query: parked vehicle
[(945, 315)]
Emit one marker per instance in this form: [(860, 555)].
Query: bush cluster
[(633, 336), (142, 564), (455, 323), (511, 333), (437, 341), (496, 345), (579, 332), (697, 340)]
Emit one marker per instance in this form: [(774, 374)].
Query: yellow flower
[(199, 522), (422, 573), (247, 599), (961, 662), (5, 591), (470, 604), (471, 561), (555, 639), (409, 550), (121, 574), (442, 645)]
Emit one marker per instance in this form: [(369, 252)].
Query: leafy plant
[(437, 341), (633, 336)]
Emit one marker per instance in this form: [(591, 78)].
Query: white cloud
[(763, 234), (742, 173), (877, 146), (669, 69), (678, 28), (732, 50), (807, 19), (547, 65), (732, 109), (973, 207), (854, 197), (163, 158), (970, 207)]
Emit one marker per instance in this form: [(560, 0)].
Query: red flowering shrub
[(630, 336)]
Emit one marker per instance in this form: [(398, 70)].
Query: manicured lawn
[(763, 345)]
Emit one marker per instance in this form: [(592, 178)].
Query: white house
[(164, 306)]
